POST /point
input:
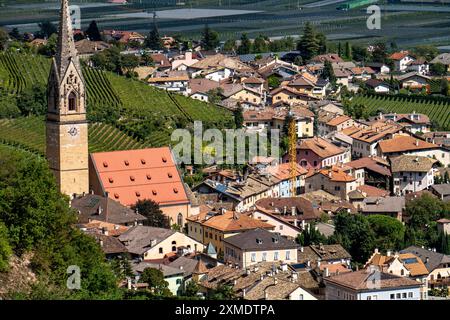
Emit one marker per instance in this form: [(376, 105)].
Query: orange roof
[(132, 175), (336, 174), (399, 55), (404, 143), (338, 120), (417, 267), (233, 221), (375, 132), (334, 267), (282, 171)]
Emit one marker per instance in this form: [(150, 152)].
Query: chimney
[(427, 259), (293, 211), (243, 293), (388, 253), (417, 142), (275, 281), (188, 55), (308, 263), (376, 250), (266, 295), (284, 210), (327, 272), (294, 276), (129, 284), (302, 249), (181, 267), (318, 263), (101, 243)]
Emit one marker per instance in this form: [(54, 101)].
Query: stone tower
[(66, 125)]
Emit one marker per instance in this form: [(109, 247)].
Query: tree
[(153, 40), (328, 73), (348, 51), (92, 32), (46, 29), (155, 280), (311, 236), (308, 44), (355, 234), (215, 95), (191, 289), (238, 117), (298, 60), (33, 101), (38, 219), (444, 243), (229, 45), (129, 62), (150, 209), (245, 46), (322, 43), (3, 39), (210, 38), (389, 232), (15, 34), (379, 53), (438, 69), (273, 81), (260, 44), (50, 48), (224, 292), (5, 248), (360, 53), (428, 52)]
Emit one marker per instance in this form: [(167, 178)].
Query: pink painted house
[(317, 153)]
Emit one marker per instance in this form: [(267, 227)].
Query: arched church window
[(72, 102), (180, 220)]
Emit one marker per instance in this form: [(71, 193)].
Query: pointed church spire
[(65, 51)]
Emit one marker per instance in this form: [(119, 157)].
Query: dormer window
[(127, 163), (143, 161), (169, 174), (111, 180), (154, 192), (175, 190), (164, 159), (149, 177), (132, 178), (105, 164)]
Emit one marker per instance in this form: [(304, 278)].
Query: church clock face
[(73, 131)]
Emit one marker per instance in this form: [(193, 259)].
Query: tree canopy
[(150, 209)]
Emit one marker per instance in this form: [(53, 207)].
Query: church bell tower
[(66, 124)]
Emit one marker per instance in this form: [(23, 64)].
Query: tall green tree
[(348, 51), (308, 44), (311, 236), (153, 40), (246, 46), (238, 117), (328, 73), (229, 45), (46, 29), (389, 232), (260, 44), (93, 32), (5, 248), (210, 38)]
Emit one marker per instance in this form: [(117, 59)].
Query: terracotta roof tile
[(404, 143)]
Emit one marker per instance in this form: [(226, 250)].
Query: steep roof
[(334, 174), (406, 163), (304, 208), (383, 204), (377, 131), (399, 55), (338, 120), (371, 191), (260, 239), (131, 175), (404, 143), (109, 244), (370, 164), (329, 252)]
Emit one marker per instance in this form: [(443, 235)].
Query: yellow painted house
[(211, 226)]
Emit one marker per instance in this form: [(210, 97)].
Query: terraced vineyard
[(151, 112), (29, 133), (436, 111)]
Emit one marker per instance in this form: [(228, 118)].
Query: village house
[(262, 281), (258, 245), (443, 58), (131, 175), (157, 244), (379, 67), (412, 173), (400, 145), (182, 63), (420, 66), (437, 264), (92, 207), (442, 191), (414, 80), (173, 276), (361, 73), (389, 206), (365, 140), (288, 215), (199, 88), (124, 37), (324, 260), (334, 123), (401, 60), (370, 284), (215, 226), (86, 48), (333, 180), (316, 153), (378, 86), (404, 265), (376, 171), (413, 122), (174, 81), (242, 94), (290, 96)]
